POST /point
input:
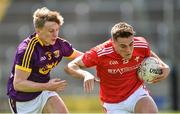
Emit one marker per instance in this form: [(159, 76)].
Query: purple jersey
[(32, 56)]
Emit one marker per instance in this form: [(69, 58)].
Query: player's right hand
[(56, 85)]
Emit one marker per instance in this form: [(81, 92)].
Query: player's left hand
[(165, 72)]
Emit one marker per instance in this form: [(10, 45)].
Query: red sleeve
[(90, 58), (142, 42), (148, 49), (148, 52)]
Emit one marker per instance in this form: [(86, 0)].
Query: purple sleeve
[(22, 59), (67, 48), (19, 57)]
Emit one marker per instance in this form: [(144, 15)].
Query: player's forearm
[(75, 71), (29, 86), (154, 55)]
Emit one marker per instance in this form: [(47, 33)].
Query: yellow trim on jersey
[(73, 55), (39, 40), (23, 68), (28, 52), (29, 60)]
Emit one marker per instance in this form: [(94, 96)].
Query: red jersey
[(118, 77)]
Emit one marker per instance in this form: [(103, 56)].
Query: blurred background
[(88, 23)]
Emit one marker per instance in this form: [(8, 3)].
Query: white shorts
[(128, 105), (33, 106)]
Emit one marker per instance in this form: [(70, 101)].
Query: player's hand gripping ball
[(149, 69)]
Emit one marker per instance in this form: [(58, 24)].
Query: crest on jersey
[(137, 59), (56, 53)]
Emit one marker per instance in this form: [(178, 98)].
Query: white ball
[(149, 69)]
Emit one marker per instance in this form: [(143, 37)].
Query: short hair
[(122, 30), (43, 15)]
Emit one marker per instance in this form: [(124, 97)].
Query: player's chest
[(46, 60), (115, 62), (120, 66), (48, 57)]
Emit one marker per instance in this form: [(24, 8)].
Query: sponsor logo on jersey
[(122, 70), (46, 69)]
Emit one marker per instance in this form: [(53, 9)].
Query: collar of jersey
[(39, 40)]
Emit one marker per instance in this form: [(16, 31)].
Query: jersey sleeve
[(23, 59), (75, 54), (67, 49), (90, 58), (148, 52), (141, 44)]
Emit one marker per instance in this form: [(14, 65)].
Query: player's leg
[(115, 108), (146, 105), (55, 105), (140, 101)]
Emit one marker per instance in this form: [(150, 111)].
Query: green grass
[(79, 104), (83, 104)]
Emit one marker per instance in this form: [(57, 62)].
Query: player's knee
[(146, 105), (146, 110), (152, 109)]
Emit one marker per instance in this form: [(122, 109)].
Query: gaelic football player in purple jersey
[(30, 88)]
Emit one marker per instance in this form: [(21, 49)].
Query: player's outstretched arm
[(21, 83), (165, 69), (74, 68)]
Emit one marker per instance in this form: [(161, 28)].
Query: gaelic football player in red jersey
[(30, 88), (117, 61)]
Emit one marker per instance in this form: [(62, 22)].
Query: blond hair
[(122, 30), (43, 15)]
